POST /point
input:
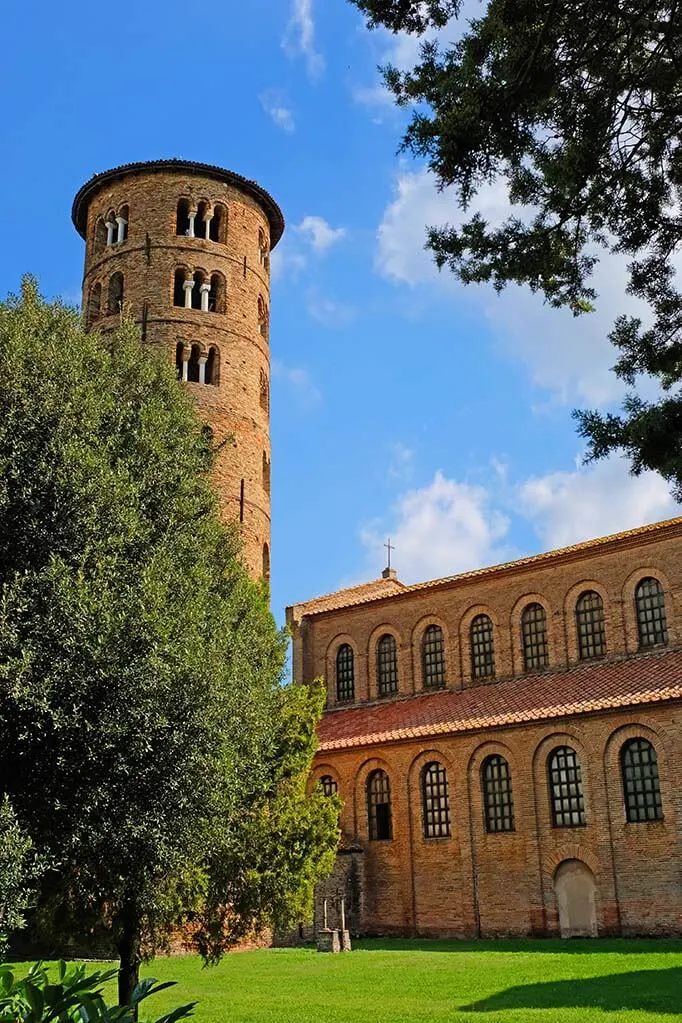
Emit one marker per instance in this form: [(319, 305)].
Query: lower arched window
[(387, 665), (329, 786), (641, 785), (651, 620), (216, 295), (379, 807), (266, 474), (566, 788), (264, 392), (212, 366), (266, 562), (435, 801), (345, 673), (433, 658), (498, 802)]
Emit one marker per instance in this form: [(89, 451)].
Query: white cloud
[(440, 529), (594, 500), (402, 461), (448, 526), (319, 233), (286, 262), (274, 106), (299, 37), (566, 355), (299, 384), (328, 311)]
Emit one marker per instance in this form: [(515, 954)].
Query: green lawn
[(399, 980)]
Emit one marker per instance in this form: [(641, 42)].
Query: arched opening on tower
[(266, 563), (100, 235), (262, 317), (193, 365), (199, 277), (94, 304), (216, 296), (263, 253), (116, 293), (264, 391), (179, 287), (179, 357), (266, 474), (203, 221), (218, 227), (182, 218), (212, 366)]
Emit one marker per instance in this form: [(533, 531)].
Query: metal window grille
[(433, 658), (387, 665), (641, 785), (329, 786), (534, 633), (497, 794), (379, 806), (482, 647), (589, 615), (435, 801), (651, 620), (566, 787), (345, 673)]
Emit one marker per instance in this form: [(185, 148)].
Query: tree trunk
[(129, 953)]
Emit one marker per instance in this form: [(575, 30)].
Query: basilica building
[(506, 743)]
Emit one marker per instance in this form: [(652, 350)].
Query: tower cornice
[(79, 210)]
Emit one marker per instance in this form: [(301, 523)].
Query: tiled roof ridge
[(406, 718), (270, 206), (531, 559), (394, 585)]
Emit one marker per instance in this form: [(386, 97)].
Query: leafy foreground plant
[(76, 995)]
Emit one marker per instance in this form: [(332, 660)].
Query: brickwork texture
[(233, 332), (472, 881)]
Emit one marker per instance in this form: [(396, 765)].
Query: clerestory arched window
[(652, 625), (387, 665), (534, 637), (482, 647), (345, 673), (433, 658), (589, 617)]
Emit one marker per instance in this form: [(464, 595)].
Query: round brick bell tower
[(184, 248)]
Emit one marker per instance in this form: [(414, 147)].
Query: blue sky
[(402, 403)]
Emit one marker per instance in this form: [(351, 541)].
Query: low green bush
[(75, 995)]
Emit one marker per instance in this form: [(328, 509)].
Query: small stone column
[(203, 359), (207, 221), (186, 356), (188, 285), (191, 216), (122, 223), (204, 289), (111, 227)]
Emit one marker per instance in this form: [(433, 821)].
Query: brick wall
[(148, 259), (473, 883)]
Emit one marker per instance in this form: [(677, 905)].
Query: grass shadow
[(553, 946), (653, 991)]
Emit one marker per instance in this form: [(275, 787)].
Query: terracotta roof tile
[(650, 678), (366, 593)]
